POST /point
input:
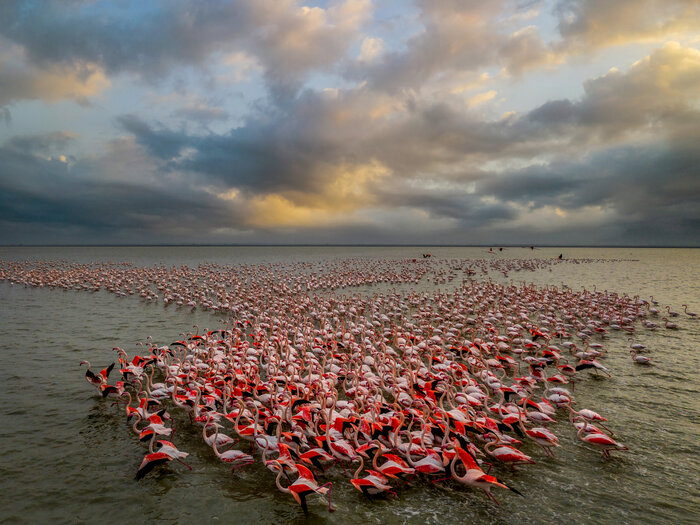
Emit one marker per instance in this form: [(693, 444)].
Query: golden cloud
[(72, 82), (482, 98), (347, 189), (22, 81), (602, 23)]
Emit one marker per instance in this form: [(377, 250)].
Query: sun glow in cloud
[(347, 189), (482, 98)]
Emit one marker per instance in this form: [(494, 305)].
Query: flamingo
[(475, 476), (588, 416), (584, 364), (636, 346), (150, 461), (96, 379), (154, 427), (166, 447), (215, 438), (307, 372), (669, 325), (689, 314), (542, 436), (115, 390), (602, 441), (236, 457), (640, 359), (304, 486), (394, 467), (317, 457), (431, 464), (372, 484), (507, 454)]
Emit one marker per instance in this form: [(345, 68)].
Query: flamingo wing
[(150, 461)]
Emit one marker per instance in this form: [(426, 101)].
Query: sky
[(572, 122)]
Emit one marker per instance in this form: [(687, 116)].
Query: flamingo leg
[(612, 434), (441, 479), (330, 489), (491, 497)]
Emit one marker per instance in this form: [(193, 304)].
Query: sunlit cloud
[(481, 98), (371, 49), (589, 24), (20, 80)]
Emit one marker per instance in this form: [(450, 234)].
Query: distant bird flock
[(362, 372)]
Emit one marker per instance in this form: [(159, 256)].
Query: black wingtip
[(148, 467), (516, 491)]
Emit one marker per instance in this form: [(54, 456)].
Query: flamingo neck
[(359, 469)]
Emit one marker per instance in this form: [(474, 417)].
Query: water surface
[(69, 457)]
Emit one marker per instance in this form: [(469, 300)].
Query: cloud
[(43, 143), (525, 50), (645, 193), (154, 39), (162, 143), (325, 156), (457, 36), (201, 113), (370, 50), (592, 24), (131, 200), (393, 142), (299, 39), (481, 98), (5, 115), (21, 80), (658, 94), (163, 33)]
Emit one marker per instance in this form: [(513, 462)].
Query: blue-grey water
[(69, 457)]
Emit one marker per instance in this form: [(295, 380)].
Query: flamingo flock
[(390, 381)]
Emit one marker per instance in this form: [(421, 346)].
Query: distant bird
[(689, 314), (670, 325), (640, 359)]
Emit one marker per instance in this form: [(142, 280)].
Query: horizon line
[(338, 245)]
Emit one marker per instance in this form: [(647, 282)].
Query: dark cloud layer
[(49, 192), (162, 35)]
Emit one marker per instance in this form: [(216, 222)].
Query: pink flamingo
[(304, 486), (602, 441), (475, 476)]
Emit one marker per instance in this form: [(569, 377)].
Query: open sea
[(68, 456)]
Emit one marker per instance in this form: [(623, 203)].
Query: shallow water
[(69, 457)]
